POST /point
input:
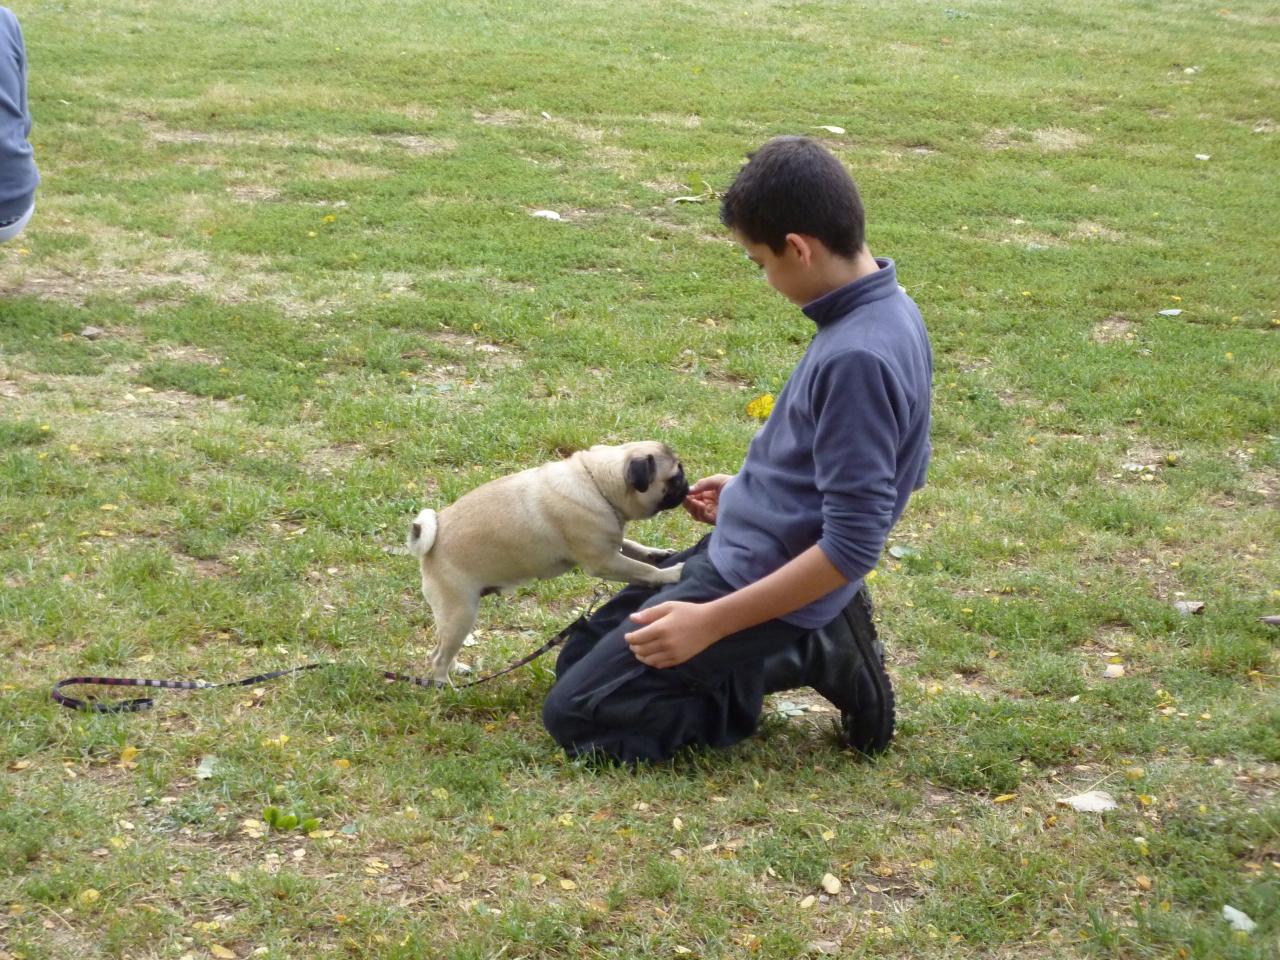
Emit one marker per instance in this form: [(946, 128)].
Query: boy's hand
[(671, 633), (703, 501)]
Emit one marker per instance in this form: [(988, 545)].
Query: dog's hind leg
[(454, 612)]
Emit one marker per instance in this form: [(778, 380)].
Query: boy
[(773, 599), (18, 176)]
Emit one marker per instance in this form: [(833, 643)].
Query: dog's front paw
[(671, 574), (656, 555)]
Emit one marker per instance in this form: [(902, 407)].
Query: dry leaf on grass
[(1189, 608), (1095, 801), (830, 883), (1238, 919)]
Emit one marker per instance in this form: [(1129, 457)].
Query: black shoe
[(843, 661)]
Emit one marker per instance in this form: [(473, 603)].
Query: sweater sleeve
[(860, 410)]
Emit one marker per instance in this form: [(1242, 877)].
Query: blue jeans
[(607, 703), (10, 229)]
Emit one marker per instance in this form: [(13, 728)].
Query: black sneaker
[(862, 689), (844, 662)]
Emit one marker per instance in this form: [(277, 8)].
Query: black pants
[(606, 702)]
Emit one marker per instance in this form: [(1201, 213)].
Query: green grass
[(306, 231)]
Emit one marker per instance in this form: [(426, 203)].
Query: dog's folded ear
[(640, 472)]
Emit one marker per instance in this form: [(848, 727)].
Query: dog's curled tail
[(422, 533)]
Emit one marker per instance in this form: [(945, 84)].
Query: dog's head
[(654, 477), (639, 479)]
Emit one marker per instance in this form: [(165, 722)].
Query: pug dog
[(539, 523)]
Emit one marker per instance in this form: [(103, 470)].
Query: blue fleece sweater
[(846, 444), (18, 176)]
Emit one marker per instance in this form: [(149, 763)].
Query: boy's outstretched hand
[(703, 501), (672, 633)]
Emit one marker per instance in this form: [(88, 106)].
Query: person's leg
[(624, 603), (843, 661), (14, 227), (605, 702)]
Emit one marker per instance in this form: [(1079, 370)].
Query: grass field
[(305, 231)]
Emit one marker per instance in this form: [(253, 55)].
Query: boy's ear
[(640, 473), (801, 246)]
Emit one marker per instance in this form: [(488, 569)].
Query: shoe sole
[(874, 736)]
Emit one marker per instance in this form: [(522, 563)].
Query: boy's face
[(788, 272)]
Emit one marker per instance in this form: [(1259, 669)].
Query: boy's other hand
[(703, 501), (672, 633)]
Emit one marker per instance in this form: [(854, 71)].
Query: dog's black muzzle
[(677, 490)]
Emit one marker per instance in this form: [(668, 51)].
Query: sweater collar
[(842, 301)]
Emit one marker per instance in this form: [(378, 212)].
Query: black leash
[(146, 703)]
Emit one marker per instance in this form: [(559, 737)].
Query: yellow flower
[(761, 406)]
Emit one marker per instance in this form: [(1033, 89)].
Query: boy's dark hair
[(795, 185)]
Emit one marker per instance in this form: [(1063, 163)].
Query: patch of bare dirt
[(186, 354), (420, 146), (212, 568), (87, 409), (475, 274), (339, 168), (619, 159), (158, 132), (1265, 483), (1059, 139), (252, 193), (1048, 139), (667, 188), (1089, 230), (500, 118), (726, 380), (1000, 138), (1028, 237), (689, 121), (1112, 329), (333, 458), (148, 268)]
